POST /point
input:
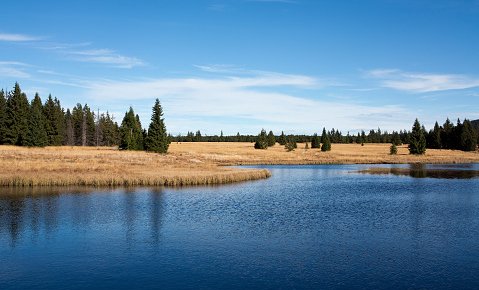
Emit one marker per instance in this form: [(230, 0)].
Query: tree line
[(39, 124)]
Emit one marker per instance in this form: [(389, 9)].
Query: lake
[(306, 227)]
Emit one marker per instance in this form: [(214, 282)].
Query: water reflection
[(450, 171), (39, 212)]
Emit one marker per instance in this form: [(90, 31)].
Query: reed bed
[(186, 163)]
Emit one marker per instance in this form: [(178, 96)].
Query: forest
[(39, 124)]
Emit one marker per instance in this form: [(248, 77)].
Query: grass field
[(186, 163)]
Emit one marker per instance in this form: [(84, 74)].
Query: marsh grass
[(186, 163)]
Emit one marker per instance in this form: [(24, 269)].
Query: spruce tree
[(261, 141), (290, 143), (271, 139), (417, 140), (282, 139), (393, 150), (17, 112), (77, 124), (90, 126), (54, 121), (315, 141), (468, 137), (69, 138), (157, 139), (131, 132), (3, 112), (326, 141), (37, 135), (435, 139), (446, 134)]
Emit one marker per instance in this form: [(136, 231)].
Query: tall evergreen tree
[(282, 139), (37, 135), (69, 138), (326, 141), (468, 137), (271, 139), (17, 112), (435, 137), (78, 120), (315, 141), (130, 132), (417, 143), (54, 121), (446, 134), (157, 139), (261, 141), (90, 127), (3, 117)]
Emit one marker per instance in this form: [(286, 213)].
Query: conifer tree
[(271, 139), (261, 141), (435, 139), (417, 143), (468, 137), (3, 112), (393, 150), (54, 121), (326, 141), (131, 132), (90, 126), (17, 112), (315, 141), (282, 139), (69, 138), (37, 135), (446, 134), (77, 124), (157, 139), (290, 143)]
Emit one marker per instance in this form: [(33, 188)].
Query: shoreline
[(187, 164)]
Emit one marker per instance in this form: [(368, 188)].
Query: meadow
[(186, 163)]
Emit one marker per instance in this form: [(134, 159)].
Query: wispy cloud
[(17, 37), (257, 100), (14, 69), (83, 52), (422, 82), (106, 56)]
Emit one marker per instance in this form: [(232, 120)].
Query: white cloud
[(245, 104), (13, 69), (83, 52), (17, 37), (106, 56), (422, 82)]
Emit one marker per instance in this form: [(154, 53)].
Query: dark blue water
[(312, 227)]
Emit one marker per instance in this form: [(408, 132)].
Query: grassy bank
[(185, 164)]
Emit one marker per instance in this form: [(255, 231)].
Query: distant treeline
[(34, 123)]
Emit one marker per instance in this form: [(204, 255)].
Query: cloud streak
[(422, 82), (14, 69), (8, 37)]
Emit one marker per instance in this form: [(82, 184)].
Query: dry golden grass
[(243, 154), (186, 163), (67, 166)]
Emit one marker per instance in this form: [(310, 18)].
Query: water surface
[(306, 227)]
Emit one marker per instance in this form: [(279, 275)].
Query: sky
[(244, 65)]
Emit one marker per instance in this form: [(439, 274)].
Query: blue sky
[(243, 65)]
